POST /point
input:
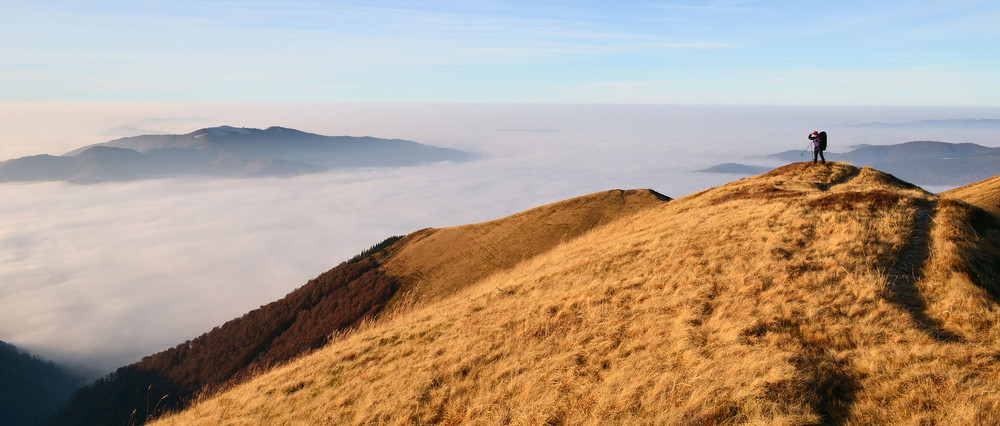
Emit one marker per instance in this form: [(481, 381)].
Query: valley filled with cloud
[(96, 276)]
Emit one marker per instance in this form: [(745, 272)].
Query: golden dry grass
[(434, 263), (811, 294), (984, 194)]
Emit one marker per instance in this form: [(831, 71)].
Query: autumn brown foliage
[(277, 332)]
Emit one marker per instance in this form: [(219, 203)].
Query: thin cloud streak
[(714, 7), (185, 46)]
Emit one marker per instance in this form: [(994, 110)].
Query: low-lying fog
[(96, 276)]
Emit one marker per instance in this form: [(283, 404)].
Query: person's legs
[(815, 153), (821, 156)]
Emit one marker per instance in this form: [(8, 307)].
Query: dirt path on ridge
[(908, 269)]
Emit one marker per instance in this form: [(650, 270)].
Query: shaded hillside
[(31, 388), (222, 152), (809, 294), (984, 194), (341, 298), (303, 320)]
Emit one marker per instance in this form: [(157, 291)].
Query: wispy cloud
[(443, 51), (184, 47), (713, 7)]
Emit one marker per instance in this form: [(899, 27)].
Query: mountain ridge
[(984, 194), (866, 154), (921, 162), (808, 294), (338, 300), (223, 151)]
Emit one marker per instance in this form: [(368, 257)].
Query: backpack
[(822, 141)]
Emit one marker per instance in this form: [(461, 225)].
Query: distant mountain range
[(919, 162), (963, 123), (222, 152)]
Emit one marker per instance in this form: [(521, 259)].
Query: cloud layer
[(100, 275)]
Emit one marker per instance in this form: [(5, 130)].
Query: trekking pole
[(806, 150)]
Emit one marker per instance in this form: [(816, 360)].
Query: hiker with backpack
[(819, 145)]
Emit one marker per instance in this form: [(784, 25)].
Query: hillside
[(340, 299), (433, 263), (290, 145), (223, 151), (31, 388), (984, 194), (806, 295)]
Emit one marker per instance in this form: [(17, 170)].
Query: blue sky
[(713, 52)]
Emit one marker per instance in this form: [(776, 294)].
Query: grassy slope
[(337, 300), (984, 194), (434, 263), (809, 294)]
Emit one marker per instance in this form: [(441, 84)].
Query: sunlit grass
[(807, 295)]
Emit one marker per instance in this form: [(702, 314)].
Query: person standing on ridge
[(819, 145)]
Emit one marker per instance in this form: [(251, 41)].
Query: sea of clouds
[(97, 276)]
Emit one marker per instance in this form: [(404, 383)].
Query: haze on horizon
[(629, 95)]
